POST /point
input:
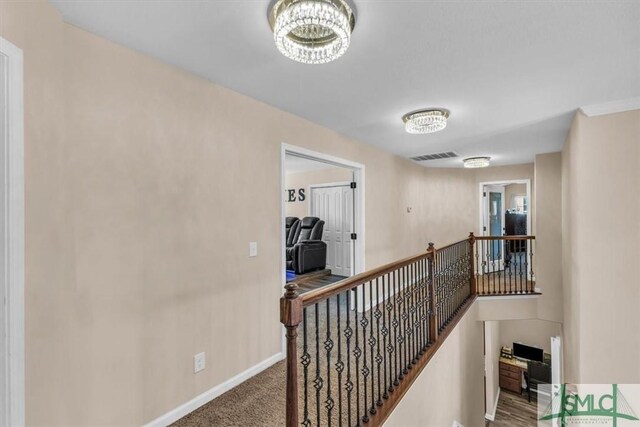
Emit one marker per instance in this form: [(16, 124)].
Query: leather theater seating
[(305, 249)]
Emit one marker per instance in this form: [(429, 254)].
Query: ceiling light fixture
[(425, 121), (476, 162), (312, 31)]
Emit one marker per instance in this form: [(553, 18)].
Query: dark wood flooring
[(318, 282), (515, 411)]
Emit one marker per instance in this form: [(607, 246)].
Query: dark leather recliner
[(291, 223), (305, 249)]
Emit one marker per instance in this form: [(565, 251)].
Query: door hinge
[(484, 228), (484, 194), (354, 236), (353, 185)]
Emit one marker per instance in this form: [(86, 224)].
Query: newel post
[(473, 283), (291, 317), (433, 305)]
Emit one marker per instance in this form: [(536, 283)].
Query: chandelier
[(425, 121), (312, 31), (476, 162)]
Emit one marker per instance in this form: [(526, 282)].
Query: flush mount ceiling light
[(425, 121), (476, 162), (312, 31)]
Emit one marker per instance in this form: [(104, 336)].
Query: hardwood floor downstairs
[(515, 411)]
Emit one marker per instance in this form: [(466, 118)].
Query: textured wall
[(600, 248), (451, 386)]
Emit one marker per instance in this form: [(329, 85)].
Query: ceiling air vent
[(436, 156)]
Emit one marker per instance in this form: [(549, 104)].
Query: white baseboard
[(492, 416), (206, 397)]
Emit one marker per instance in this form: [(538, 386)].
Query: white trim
[(492, 416), (618, 106), (206, 397), (358, 265), (527, 182), (12, 287), (506, 297)]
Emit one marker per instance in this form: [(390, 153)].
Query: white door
[(493, 225), (334, 205)]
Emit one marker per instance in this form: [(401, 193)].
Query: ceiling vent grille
[(435, 156)]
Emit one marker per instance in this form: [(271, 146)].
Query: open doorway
[(323, 219), (505, 210)]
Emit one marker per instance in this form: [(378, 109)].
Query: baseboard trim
[(492, 417), (206, 397)]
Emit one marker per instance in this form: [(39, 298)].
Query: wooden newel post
[(433, 305), (473, 283), (291, 317)]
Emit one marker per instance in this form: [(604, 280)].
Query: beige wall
[(511, 191), (143, 188), (492, 369), (532, 332), (451, 386), (600, 249), (548, 246), (300, 180), (129, 203)]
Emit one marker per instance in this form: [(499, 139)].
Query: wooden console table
[(511, 371)]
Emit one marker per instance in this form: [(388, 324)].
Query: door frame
[(332, 185), (12, 282), (358, 169), (481, 185)]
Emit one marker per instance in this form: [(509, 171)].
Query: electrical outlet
[(253, 249), (198, 363)]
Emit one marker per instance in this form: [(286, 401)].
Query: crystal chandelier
[(312, 31), (476, 162), (425, 121)]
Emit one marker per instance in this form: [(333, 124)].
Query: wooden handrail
[(505, 237), (352, 282)]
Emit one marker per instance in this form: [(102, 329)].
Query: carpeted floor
[(259, 401)]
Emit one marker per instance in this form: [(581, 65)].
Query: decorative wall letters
[(294, 195)]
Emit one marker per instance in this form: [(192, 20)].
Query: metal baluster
[(532, 286), (372, 344), (385, 332), (365, 369), (414, 334), (390, 346), (339, 364), (306, 360), (328, 346), (396, 324), (357, 354), (379, 358), (317, 382), (348, 332), (405, 318)]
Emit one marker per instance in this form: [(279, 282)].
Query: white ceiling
[(512, 73)]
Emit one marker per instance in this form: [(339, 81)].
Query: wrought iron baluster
[(317, 382), (396, 323), (379, 359), (365, 368), (405, 318), (532, 277), (372, 345), (385, 333), (339, 363), (357, 353), (348, 333), (306, 360), (328, 346)]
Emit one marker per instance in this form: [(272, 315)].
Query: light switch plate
[(198, 362), (253, 249)]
